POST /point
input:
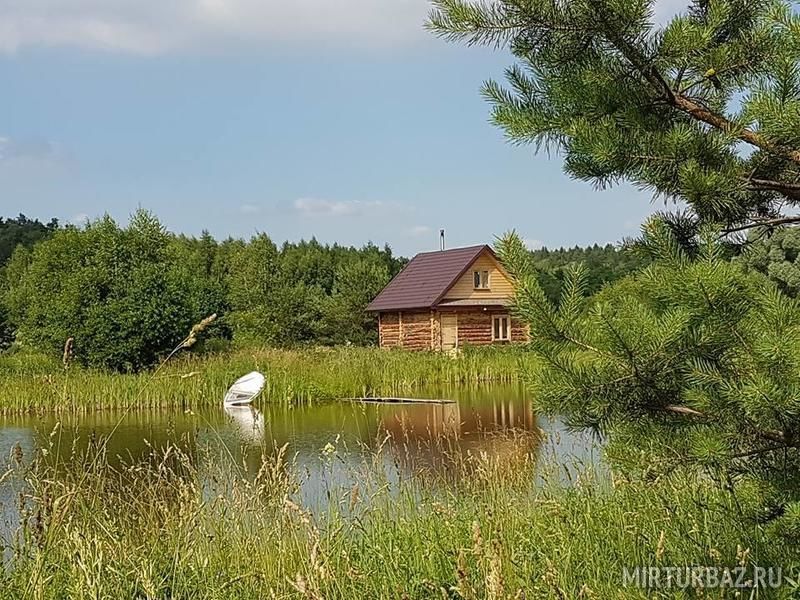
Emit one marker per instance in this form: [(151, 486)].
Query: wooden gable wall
[(500, 285)]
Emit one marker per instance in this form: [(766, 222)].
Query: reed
[(32, 383), (192, 530)]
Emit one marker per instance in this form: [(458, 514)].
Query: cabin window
[(501, 328), (481, 279)]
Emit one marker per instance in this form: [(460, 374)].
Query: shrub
[(118, 292)]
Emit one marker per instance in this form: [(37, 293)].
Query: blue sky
[(340, 119)]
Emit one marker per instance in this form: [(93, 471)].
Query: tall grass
[(31, 383), (174, 527)]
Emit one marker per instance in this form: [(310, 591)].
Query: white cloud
[(532, 244), (249, 209), (79, 219), (316, 207), (419, 230), (156, 26)]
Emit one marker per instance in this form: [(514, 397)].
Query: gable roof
[(426, 279)]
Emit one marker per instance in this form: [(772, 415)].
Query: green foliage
[(777, 255), (22, 231), (118, 292), (38, 383), (128, 295), (306, 292), (253, 283), (604, 264), (705, 109), (693, 362)]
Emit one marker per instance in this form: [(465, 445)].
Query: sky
[(339, 119)]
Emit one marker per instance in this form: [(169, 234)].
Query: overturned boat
[(245, 389)]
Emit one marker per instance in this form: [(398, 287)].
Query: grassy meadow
[(191, 531), (35, 383)]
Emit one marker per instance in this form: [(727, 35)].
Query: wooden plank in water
[(394, 400)]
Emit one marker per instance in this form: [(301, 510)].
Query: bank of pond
[(33, 383), (310, 496)]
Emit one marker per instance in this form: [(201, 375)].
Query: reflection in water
[(248, 421), (328, 447), (435, 439)]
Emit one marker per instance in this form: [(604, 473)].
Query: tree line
[(127, 295)]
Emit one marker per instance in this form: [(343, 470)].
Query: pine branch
[(705, 115), (768, 434), (680, 101), (763, 223), (759, 451), (790, 190), (683, 410)]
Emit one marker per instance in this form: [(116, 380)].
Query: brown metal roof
[(424, 280)]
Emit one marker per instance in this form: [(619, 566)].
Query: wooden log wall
[(474, 328), (389, 330), (520, 332), (421, 330), (416, 330)]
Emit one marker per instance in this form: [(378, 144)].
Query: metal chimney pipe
[(441, 239)]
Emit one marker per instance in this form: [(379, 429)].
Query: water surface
[(327, 444)]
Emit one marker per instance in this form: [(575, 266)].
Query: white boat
[(245, 389)]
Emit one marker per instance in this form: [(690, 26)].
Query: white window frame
[(496, 318), (486, 283)]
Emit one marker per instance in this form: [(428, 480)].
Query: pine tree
[(692, 363), (776, 255)]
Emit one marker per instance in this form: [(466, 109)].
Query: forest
[(126, 294)]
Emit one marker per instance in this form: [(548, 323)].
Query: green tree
[(777, 256), (253, 281), (306, 292), (22, 231), (357, 281), (694, 361), (604, 264), (118, 292), (205, 260)]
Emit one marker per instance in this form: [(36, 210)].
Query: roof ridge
[(427, 277), (451, 250), (467, 265)]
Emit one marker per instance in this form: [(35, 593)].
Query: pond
[(326, 444)]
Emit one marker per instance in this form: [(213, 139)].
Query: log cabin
[(448, 299)]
